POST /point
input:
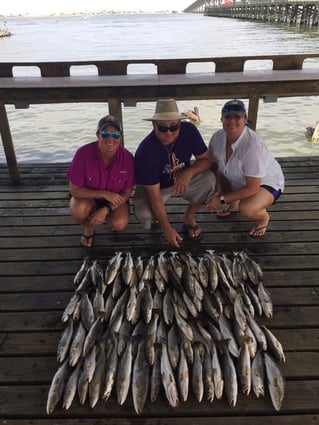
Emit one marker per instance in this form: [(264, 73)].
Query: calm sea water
[(52, 133)]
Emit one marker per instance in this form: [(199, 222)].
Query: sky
[(44, 7)]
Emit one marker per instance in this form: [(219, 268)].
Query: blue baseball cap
[(234, 106)]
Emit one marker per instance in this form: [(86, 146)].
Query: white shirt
[(250, 158)]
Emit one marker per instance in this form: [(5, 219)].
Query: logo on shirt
[(174, 167)]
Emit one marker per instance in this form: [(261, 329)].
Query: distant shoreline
[(90, 14)]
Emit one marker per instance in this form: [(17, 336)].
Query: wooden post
[(8, 146), (253, 110), (115, 109)]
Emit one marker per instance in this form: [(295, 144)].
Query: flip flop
[(223, 214), (253, 231), (189, 231), (88, 240)]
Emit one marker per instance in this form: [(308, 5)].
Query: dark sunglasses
[(115, 134), (164, 129)]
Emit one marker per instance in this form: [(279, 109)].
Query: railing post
[(8, 146), (115, 109), (253, 110)]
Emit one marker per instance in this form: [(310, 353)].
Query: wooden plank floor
[(40, 254)]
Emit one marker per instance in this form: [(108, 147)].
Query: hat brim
[(107, 122), (240, 114), (166, 116)]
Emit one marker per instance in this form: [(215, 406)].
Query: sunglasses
[(171, 128), (115, 134)]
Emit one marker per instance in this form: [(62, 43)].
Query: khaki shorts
[(201, 187)]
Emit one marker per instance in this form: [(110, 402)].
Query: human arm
[(115, 199), (251, 188), (101, 202), (202, 163), (99, 215), (159, 210)]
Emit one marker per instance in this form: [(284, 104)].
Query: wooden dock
[(40, 254)]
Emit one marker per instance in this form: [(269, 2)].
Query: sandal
[(232, 207), (192, 232), (87, 240), (223, 214)]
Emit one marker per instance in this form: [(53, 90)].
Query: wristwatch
[(224, 205)]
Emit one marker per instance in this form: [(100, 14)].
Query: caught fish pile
[(174, 323)]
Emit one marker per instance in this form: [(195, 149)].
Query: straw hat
[(166, 110)]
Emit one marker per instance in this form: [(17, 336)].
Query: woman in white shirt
[(249, 178)]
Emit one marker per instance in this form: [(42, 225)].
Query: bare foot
[(259, 229), (192, 231)]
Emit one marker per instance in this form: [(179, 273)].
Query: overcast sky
[(36, 7)]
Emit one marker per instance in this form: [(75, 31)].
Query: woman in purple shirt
[(101, 178)]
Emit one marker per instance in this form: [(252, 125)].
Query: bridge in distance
[(199, 5), (292, 12)]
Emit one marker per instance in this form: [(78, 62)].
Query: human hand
[(181, 184), (173, 237), (115, 199), (97, 218), (213, 204)]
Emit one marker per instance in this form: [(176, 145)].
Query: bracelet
[(109, 208)]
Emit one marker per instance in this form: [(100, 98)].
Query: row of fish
[(172, 322)]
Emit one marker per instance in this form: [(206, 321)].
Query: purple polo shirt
[(87, 169), (156, 163)]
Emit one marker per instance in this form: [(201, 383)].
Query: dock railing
[(112, 82)]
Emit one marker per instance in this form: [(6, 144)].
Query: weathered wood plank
[(229, 420), (68, 261), (285, 317), (60, 215), (29, 400), (64, 282), (23, 343), (34, 200), (26, 248), (40, 301), (281, 235), (301, 365)]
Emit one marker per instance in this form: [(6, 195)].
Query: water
[(52, 133)]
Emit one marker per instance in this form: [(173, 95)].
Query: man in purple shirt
[(101, 178), (164, 168)]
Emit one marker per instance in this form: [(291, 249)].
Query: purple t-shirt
[(87, 169), (156, 163)]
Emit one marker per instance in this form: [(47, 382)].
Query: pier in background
[(278, 11)]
